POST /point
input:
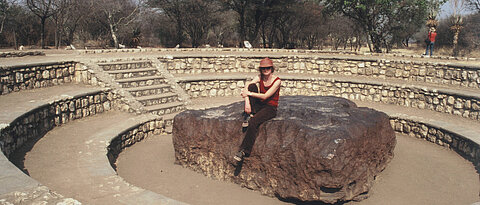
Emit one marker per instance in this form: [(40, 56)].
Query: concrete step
[(141, 81), (132, 73), (158, 99), (167, 108), (123, 65), (149, 90), (131, 70)]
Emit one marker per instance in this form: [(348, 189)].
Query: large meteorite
[(316, 149)]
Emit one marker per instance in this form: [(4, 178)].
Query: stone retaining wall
[(133, 135), (33, 76), (439, 73), (465, 147), (37, 122), (269, 50), (423, 98)]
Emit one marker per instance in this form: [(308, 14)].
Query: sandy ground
[(420, 173)]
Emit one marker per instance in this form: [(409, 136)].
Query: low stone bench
[(31, 114), (462, 102), (40, 111), (317, 148)]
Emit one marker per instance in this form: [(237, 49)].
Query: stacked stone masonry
[(133, 135), (465, 147), (124, 65), (446, 74), (21, 54), (39, 121), (423, 98), (23, 77), (323, 82)]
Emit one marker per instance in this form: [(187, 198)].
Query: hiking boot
[(239, 156)]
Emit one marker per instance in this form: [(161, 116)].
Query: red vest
[(272, 100), (431, 36)]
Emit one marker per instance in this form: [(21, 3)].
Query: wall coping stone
[(316, 57), (253, 50), (22, 104), (23, 65)]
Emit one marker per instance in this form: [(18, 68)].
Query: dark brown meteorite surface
[(316, 149)]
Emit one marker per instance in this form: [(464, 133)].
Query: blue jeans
[(431, 48)]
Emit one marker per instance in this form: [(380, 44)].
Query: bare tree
[(199, 19), (76, 12), (175, 10), (474, 4), (252, 14), (59, 18), (240, 7), (44, 9), (117, 13), (5, 7)]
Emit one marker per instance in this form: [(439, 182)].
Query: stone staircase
[(147, 85)]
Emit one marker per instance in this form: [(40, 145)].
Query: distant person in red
[(260, 104), (430, 40)]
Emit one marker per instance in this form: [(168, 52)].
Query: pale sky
[(447, 9)]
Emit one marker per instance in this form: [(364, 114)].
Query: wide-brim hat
[(266, 62)]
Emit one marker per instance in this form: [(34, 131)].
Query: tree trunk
[(179, 32), (242, 29), (369, 43), (42, 35), (70, 36), (455, 43), (3, 23), (56, 34), (114, 35), (376, 42), (15, 43)]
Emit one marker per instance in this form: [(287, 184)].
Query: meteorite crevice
[(316, 149)]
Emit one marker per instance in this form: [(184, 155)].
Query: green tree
[(410, 18), (379, 19)]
